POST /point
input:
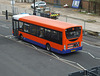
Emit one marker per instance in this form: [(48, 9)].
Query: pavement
[(21, 60), (90, 23), (72, 14)]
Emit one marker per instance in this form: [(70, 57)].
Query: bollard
[(66, 18), (84, 28), (6, 15)]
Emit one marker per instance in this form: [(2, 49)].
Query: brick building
[(88, 5), (60, 2), (28, 1)]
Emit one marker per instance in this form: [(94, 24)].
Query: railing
[(85, 23), (90, 72), (17, 10)]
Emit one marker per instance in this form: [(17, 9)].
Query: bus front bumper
[(66, 51)]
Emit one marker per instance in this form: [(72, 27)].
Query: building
[(60, 2), (88, 5), (28, 1)]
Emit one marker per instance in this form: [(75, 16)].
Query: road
[(19, 58)]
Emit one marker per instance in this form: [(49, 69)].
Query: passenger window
[(26, 28), (21, 26), (41, 32), (54, 35), (48, 34), (34, 30)]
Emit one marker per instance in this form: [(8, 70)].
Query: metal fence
[(17, 10), (74, 20), (90, 72), (86, 25)]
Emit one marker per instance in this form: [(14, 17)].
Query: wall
[(85, 4), (62, 2), (24, 0)]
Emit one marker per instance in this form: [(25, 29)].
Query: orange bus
[(54, 35)]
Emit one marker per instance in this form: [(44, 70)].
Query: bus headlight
[(65, 47), (81, 43)]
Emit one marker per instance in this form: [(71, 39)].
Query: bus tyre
[(21, 37), (48, 48)]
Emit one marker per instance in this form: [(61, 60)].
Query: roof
[(16, 17), (47, 22)]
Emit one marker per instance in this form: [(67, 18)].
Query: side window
[(54, 35), (47, 34), (34, 30), (26, 28), (60, 38), (15, 24), (41, 32), (21, 26)]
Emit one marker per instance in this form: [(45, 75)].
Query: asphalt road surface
[(19, 58)]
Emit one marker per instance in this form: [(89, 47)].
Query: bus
[(53, 35)]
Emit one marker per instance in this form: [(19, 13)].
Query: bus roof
[(46, 22)]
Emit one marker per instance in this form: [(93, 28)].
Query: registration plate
[(73, 50)]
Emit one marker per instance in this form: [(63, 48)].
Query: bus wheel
[(21, 37), (48, 48)]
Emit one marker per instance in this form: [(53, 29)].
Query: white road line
[(1, 35), (4, 26), (90, 55), (19, 41), (55, 55), (63, 60), (70, 62), (9, 36), (81, 66), (73, 63), (91, 45), (97, 58), (35, 47)]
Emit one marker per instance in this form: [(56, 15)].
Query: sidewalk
[(70, 12)]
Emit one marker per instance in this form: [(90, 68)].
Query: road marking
[(91, 45), (71, 63), (90, 55), (55, 56), (34, 47), (9, 36), (64, 60), (51, 55), (1, 35), (4, 26)]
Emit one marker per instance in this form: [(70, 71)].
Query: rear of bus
[(72, 39)]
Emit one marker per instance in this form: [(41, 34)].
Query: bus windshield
[(73, 32)]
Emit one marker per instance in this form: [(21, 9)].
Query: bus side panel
[(41, 42)]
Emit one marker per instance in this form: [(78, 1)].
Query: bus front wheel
[(48, 48), (21, 37)]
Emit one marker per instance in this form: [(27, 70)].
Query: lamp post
[(12, 2), (34, 13)]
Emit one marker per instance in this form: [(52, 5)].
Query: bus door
[(15, 28)]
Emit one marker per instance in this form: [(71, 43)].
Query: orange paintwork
[(52, 24)]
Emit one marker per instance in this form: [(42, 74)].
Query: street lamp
[(12, 2), (34, 13)]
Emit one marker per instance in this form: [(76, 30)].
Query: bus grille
[(73, 45)]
